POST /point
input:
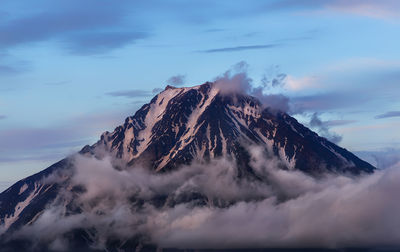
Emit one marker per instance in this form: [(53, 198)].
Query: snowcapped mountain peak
[(180, 125)]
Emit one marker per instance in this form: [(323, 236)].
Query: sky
[(70, 70)]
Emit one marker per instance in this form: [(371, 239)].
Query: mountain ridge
[(201, 120), (180, 126)]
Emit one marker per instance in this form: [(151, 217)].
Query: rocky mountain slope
[(178, 127)]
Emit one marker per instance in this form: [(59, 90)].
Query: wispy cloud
[(5, 69), (101, 42), (282, 205), (241, 48), (382, 159), (81, 27), (325, 101), (375, 9), (388, 114), (2, 117), (177, 80), (296, 84), (214, 30), (382, 9), (332, 123), (346, 86), (323, 128), (131, 93), (57, 140), (57, 83), (10, 65)]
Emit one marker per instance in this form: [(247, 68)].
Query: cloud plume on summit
[(237, 80)]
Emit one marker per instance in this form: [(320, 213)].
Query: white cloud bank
[(207, 206)]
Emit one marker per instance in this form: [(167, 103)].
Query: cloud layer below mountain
[(207, 206)]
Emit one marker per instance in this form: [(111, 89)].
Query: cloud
[(205, 206), (386, 159), (349, 86), (215, 30), (39, 144), (101, 42), (322, 102), (384, 9), (10, 65), (5, 69), (157, 90), (388, 115), (96, 27), (273, 78), (177, 80), (241, 48), (236, 81), (84, 28), (32, 138), (297, 84), (319, 94), (56, 140), (57, 83), (2, 117), (332, 123), (323, 129), (382, 159), (133, 93)]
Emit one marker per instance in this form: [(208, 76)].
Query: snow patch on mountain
[(10, 219)]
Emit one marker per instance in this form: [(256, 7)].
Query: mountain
[(182, 124), (178, 127)]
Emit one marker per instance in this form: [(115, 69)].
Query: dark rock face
[(28, 197), (181, 125)]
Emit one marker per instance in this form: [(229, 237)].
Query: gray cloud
[(215, 30), (323, 129), (57, 140), (133, 93), (327, 101), (277, 211), (236, 80), (101, 42), (285, 4), (332, 123), (369, 85), (370, 8), (2, 117), (388, 114), (334, 99), (241, 48), (382, 159), (57, 83), (157, 90), (177, 80), (273, 78), (76, 25), (82, 27), (10, 65), (33, 141), (5, 69), (386, 159)]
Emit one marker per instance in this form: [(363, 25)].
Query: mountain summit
[(180, 126)]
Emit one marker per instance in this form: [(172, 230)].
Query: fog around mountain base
[(208, 206)]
